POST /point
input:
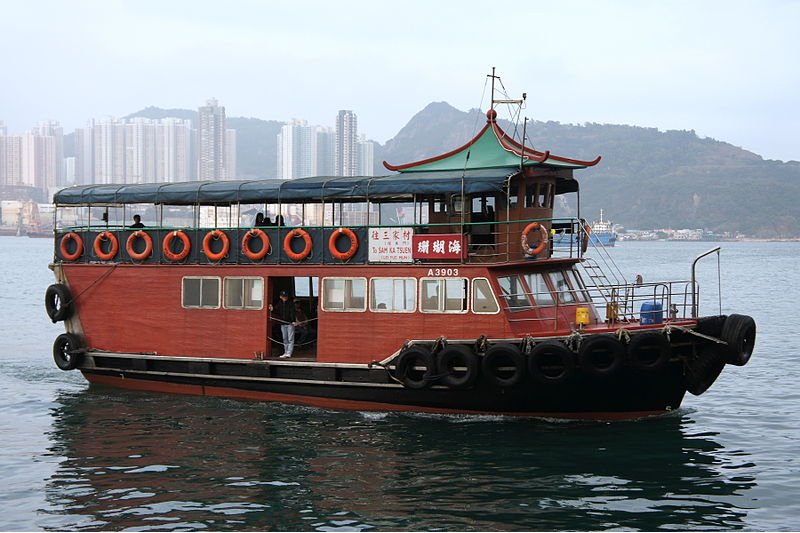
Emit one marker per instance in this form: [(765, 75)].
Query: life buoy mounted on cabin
[(248, 252), (64, 246), (166, 246), (148, 245), (216, 234), (98, 246), (287, 244), (350, 234), (526, 248)]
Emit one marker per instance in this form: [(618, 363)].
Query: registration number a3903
[(442, 272)]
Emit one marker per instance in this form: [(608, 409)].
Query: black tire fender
[(704, 369), (458, 366), (739, 331), (408, 365), (551, 362), (649, 351), (498, 359), (58, 302), (68, 351), (601, 355)]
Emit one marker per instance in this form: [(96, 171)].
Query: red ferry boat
[(434, 289)]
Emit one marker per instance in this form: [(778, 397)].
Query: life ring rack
[(226, 244), (248, 252), (350, 234), (526, 248), (98, 246), (148, 245), (166, 246), (65, 240), (287, 244)]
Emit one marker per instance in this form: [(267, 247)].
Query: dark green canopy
[(300, 190)]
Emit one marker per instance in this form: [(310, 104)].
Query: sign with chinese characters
[(444, 246), (390, 245)]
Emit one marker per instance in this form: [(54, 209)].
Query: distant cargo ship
[(601, 232)]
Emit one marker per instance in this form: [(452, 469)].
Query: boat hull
[(624, 395)]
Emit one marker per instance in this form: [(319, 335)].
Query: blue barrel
[(651, 313)]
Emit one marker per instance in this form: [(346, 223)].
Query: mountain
[(646, 179)]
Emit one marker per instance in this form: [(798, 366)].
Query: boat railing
[(654, 302), (493, 242)]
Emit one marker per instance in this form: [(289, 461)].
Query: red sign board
[(442, 246)]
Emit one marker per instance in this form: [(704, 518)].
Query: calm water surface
[(90, 458)]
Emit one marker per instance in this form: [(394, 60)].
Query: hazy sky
[(727, 69)]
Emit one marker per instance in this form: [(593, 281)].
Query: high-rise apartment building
[(366, 157), (134, 151), (31, 159), (346, 138), (305, 150), (211, 141)]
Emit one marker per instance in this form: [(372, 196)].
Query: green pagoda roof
[(491, 148)]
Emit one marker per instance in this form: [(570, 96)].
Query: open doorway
[(303, 292)]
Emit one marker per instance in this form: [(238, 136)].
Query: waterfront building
[(211, 141), (346, 138)]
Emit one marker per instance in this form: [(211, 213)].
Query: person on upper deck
[(137, 222)]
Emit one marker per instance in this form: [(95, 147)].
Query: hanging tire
[(649, 351), (551, 362), (704, 369), (503, 365), (58, 302), (415, 368), (458, 366), (739, 332), (601, 355), (68, 351)]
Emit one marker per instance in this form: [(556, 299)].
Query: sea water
[(88, 458)]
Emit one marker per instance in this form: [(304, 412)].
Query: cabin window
[(393, 295), (483, 301), (244, 293), (443, 295), (578, 288), (200, 293), (514, 293), (539, 289), (344, 294), (565, 293), (532, 194)]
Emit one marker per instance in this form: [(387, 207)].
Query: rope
[(623, 333), (667, 330), (92, 284), (574, 340)]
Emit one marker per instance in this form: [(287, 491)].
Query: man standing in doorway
[(285, 315)]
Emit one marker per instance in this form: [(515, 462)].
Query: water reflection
[(136, 461)]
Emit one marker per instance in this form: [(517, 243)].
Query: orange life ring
[(259, 255), (226, 244), (148, 245), (287, 244), (526, 249), (166, 247), (71, 236), (98, 246), (343, 256)]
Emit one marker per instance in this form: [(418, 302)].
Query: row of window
[(386, 295), (399, 295)]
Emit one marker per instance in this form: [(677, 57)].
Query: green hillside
[(646, 179)]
